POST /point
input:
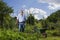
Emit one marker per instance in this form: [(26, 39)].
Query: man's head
[(22, 12)]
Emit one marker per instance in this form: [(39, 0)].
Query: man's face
[(21, 12)]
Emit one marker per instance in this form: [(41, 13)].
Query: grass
[(50, 38), (15, 35)]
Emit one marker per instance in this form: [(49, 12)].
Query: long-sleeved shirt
[(21, 18)]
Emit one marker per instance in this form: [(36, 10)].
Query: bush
[(56, 33), (11, 35)]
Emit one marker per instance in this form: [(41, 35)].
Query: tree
[(54, 17), (53, 20), (5, 11), (31, 20)]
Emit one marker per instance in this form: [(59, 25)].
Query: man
[(21, 21)]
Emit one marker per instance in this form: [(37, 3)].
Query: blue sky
[(45, 5)]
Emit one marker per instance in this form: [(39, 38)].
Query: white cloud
[(53, 4), (45, 16), (37, 17), (31, 10), (23, 6), (38, 13)]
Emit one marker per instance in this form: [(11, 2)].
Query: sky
[(39, 8)]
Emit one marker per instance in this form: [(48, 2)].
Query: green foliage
[(54, 17), (53, 22), (11, 35), (5, 11), (31, 20), (44, 23)]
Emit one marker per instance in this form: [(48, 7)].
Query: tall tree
[(5, 11), (31, 20), (53, 20), (54, 17)]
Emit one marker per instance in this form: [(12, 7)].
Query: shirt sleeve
[(24, 17)]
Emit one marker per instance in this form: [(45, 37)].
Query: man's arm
[(25, 18)]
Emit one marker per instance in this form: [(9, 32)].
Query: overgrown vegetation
[(9, 30)]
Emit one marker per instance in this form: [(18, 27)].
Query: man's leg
[(23, 27), (20, 27)]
